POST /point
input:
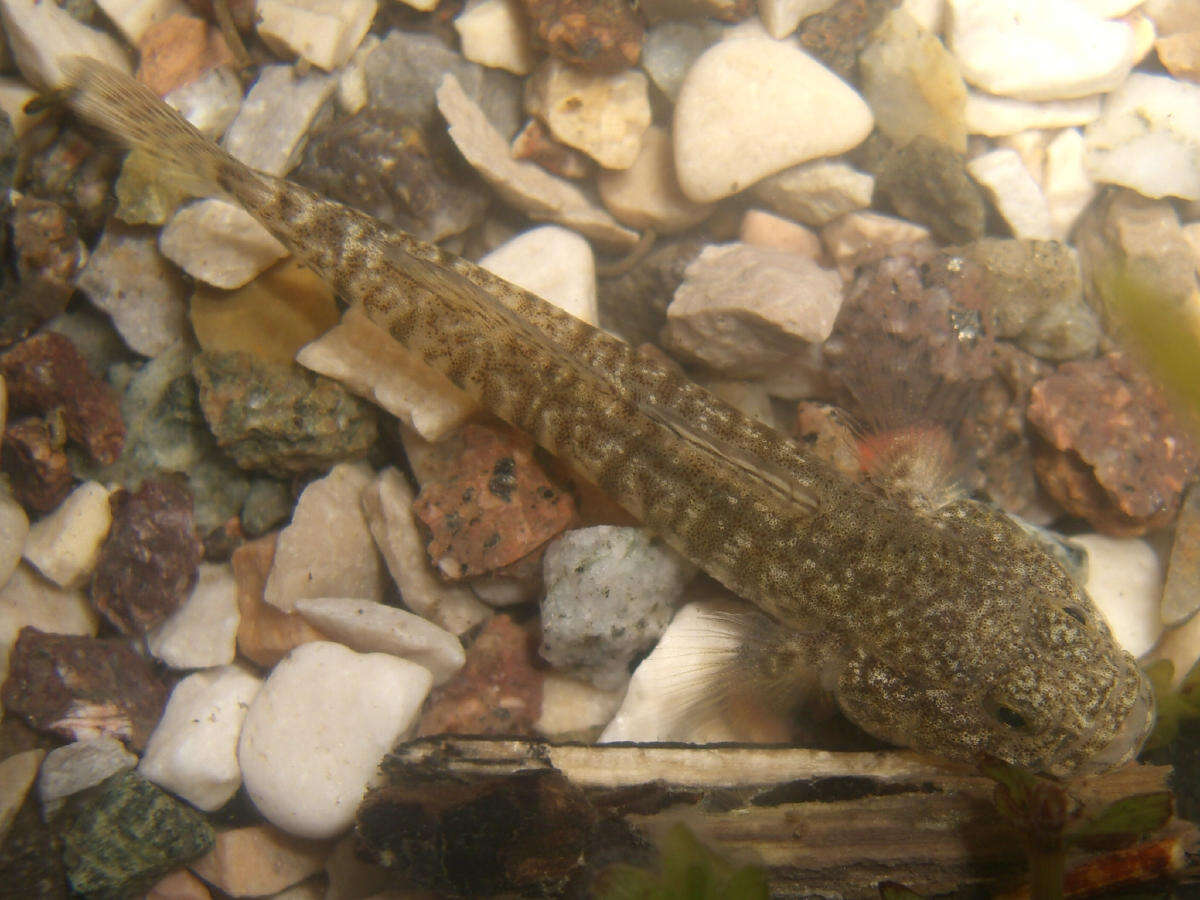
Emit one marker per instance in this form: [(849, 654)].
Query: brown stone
[(46, 254), (83, 687), (497, 691), (148, 562), (839, 34), (596, 35), (259, 860), (265, 634), (177, 51), (492, 506), (1112, 450), (179, 885), (1180, 54), (46, 375), (534, 142), (38, 470)]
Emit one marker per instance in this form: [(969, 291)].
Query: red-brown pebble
[(497, 691), (177, 51), (148, 562), (265, 634), (596, 35), (493, 504), (534, 142), (45, 257), (83, 687), (46, 375), (38, 470), (1113, 452)]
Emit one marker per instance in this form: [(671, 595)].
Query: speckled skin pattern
[(948, 632)]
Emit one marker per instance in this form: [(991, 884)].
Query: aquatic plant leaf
[(1123, 821), (624, 882), (1175, 705)]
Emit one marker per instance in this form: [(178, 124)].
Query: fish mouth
[(1084, 757)]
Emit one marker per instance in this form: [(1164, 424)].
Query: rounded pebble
[(203, 632), (1038, 49), (315, 734), (754, 106), (647, 194), (1125, 580), (192, 752)]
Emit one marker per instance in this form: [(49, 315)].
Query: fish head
[(1062, 697)]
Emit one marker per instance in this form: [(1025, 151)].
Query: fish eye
[(1006, 715), (1075, 614)]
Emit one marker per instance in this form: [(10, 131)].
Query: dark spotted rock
[(379, 162), (1112, 451), (595, 35), (839, 34), (926, 182), (147, 564), (493, 506), (497, 691), (74, 171), (279, 418), (38, 470), (124, 835), (82, 687), (47, 376), (39, 279)]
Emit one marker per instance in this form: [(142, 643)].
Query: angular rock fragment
[(927, 182), (1113, 452), (82, 687), (604, 36), (39, 279), (47, 375), (38, 470), (498, 690), (494, 507), (128, 833), (148, 562), (279, 418)]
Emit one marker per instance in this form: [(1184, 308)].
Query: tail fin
[(135, 115)]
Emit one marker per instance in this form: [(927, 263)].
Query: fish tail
[(136, 116)]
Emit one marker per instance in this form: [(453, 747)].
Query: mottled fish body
[(946, 630)]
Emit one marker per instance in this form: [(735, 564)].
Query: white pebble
[(571, 708), (269, 131), (1017, 196), (781, 17), (315, 734), (14, 95), (494, 33), (192, 751), (762, 229), (127, 278), (647, 194), (14, 526), (327, 550), (602, 115), (368, 361), (1038, 49), (134, 17), (1125, 580), (41, 34), (817, 192), (1067, 185), (219, 243), (752, 107), (859, 235), (65, 545), (378, 628), (203, 632), (323, 32), (996, 116), (17, 773), (77, 766), (554, 263), (387, 503), (1148, 138)]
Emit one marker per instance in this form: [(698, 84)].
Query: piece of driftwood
[(473, 816)]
